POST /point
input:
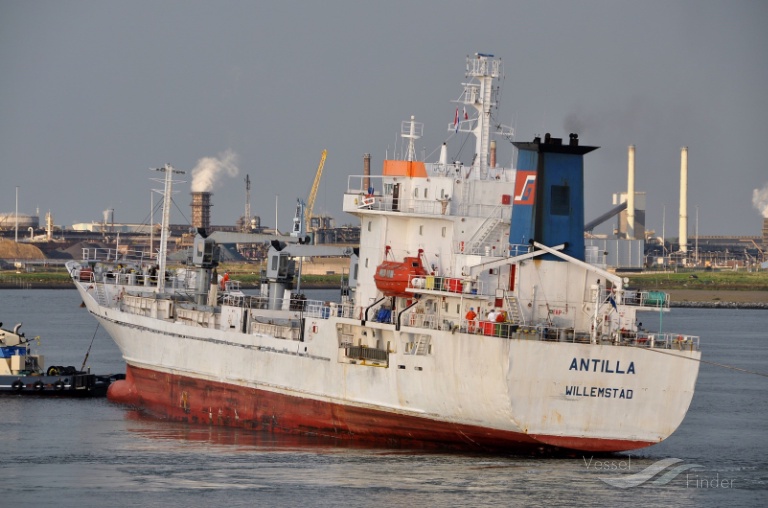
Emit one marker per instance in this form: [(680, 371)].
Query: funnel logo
[(525, 187), (664, 471)]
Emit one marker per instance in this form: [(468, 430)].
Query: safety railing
[(445, 284), (547, 333), (114, 255)]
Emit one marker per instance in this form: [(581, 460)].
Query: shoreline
[(718, 299)]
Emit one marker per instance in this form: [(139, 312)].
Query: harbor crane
[(302, 219), (313, 191)]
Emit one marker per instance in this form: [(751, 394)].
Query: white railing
[(115, 255), (445, 284), (547, 333), (406, 203), (309, 308), (655, 299)]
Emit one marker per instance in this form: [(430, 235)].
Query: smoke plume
[(760, 200), (577, 122), (208, 169)]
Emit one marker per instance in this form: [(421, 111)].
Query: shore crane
[(302, 219), (313, 191)]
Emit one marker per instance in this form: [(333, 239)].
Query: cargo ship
[(472, 319)]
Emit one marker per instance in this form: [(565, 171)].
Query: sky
[(95, 93)]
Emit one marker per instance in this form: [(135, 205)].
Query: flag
[(466, 116), (613, 302), (456, 120)]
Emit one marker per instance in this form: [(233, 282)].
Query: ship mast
[(480, 94), (165, 228), (411, 130)]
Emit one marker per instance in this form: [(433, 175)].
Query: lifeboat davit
[(393, 277)]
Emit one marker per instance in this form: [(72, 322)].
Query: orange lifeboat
[(392, 277)]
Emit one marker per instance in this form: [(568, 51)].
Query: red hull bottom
[(190, 400)]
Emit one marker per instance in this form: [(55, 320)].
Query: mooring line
[(89, 347), (731, 367)]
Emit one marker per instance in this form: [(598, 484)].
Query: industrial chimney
[(631, 193), (366, 171), (201, 210), (765, 234), (683, 199)]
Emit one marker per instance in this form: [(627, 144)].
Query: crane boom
[(313, 192)]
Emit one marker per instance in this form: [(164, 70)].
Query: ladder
[(101, 295), (512, 306), (421, 346), (485, 231)]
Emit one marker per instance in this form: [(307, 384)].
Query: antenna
[(411, 130)]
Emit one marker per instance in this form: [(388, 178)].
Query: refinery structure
[(246, 240), (627, 246), (630, 246)]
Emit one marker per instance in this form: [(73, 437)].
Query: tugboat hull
[(79, 384)]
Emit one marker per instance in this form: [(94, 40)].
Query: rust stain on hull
[(186, 399)]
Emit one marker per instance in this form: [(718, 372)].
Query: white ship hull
[(516, 392)]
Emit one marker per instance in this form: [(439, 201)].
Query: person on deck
[(471, 323)]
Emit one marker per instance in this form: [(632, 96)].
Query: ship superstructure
[(473, 320)]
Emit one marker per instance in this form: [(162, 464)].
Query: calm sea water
[(91, 453)]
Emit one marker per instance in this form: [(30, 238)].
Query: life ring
[(18, 385), (58, 385), (39, 386)]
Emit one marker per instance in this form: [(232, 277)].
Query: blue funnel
[(548, 204)]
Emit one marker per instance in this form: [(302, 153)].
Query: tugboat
[(22, 373)]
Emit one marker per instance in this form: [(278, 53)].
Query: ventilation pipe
[(444, 154)]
